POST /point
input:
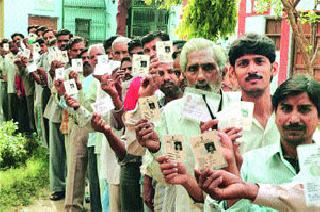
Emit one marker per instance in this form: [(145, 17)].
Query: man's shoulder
[(261, 154), (173, 105)]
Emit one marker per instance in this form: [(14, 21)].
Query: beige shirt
[(10, 70)]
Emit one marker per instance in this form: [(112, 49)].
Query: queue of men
[(123, 156)]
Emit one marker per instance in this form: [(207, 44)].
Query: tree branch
[(315, 54), (295, 3)]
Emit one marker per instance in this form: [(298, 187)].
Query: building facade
[(278, 29), (16, 15)]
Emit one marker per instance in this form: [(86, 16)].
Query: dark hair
[(17, 34), (252, 44), (46, 31), (32, 26), (179, 43), (295, 86), (4, 40), (83, 51), (64, 32), (73, 41), (125, 59), (41, 28), (134, 43), (157, 34), (40, 41), (108, 42)]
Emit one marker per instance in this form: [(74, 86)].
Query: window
[(83, 28), (273, 31)]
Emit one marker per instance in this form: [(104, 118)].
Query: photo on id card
[(140, 65), (164, 51), (59, 73), (207, 151), (71, 87), (77, 65), (149, 108), (174, 147), (64, 57)]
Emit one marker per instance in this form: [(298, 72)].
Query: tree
[(211, 19), (308, 47)]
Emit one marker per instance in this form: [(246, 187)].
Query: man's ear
[(274, 68), (232, 72)]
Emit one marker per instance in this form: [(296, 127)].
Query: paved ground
[(44, 205)]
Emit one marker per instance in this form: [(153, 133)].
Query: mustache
[(253, 76), (86, 63), (295, 127), (127, 76), (203, 86)]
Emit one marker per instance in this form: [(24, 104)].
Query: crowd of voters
[(123, 157)]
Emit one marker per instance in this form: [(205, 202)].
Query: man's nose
[(201, 75), (294, 117)]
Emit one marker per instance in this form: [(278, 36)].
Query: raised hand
[(174, 172), (222, 185), (74, 75), (148, 87), (146, 135), (59, 85), (228, 152), (206, 126), (54, 65), (71, 102), (108, 85), (98, 124)]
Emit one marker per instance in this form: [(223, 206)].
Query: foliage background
[(210, 19)]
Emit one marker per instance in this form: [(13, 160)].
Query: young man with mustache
[(296, 104), (252, 60)]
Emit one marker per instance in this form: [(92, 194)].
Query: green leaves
[(209, 19), (309, 17), (14, 148)]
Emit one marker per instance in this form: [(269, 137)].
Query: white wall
[(111, 18), (306, 5), (17, 12), (175, 13), (255, 24)]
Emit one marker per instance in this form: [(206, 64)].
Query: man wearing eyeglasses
[(201, 61)]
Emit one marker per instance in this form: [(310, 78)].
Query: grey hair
[(197, 44), (97, 46), (120, 39)]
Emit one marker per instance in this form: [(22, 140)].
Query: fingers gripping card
[(140, 65), (207, 151), (174, 147), (149, 108), (164, 51)]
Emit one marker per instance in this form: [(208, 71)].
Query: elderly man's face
[(296, 119), (202, 71), (93, 55), (120, 51)]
